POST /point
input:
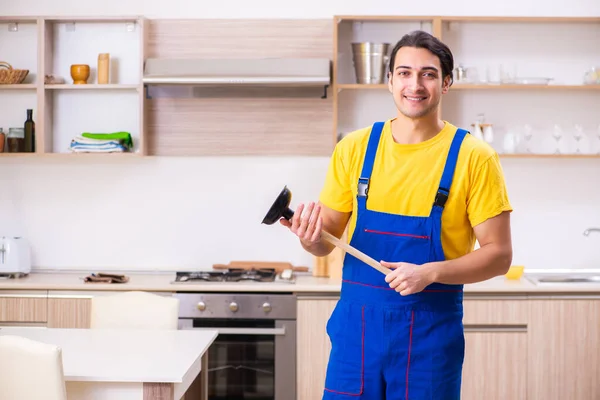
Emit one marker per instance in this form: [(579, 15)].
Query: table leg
[(198, 390), (159, 391)]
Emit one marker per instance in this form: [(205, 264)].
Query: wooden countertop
[(69, 280)]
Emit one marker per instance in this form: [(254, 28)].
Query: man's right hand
[(306, 224)]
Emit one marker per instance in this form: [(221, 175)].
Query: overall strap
[(446, 181), (367, 169)]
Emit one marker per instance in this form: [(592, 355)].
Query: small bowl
[(80, 73), (515, 272)]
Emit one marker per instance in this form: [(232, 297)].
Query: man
[(417, 192)]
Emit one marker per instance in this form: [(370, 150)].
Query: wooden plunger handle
[(356, 253)]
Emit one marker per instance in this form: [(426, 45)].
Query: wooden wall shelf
[(92, 86), (23, 86), (50, 45), (358, 105), (463, 86)]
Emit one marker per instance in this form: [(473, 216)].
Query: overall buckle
[(363, 187), (441, 197)]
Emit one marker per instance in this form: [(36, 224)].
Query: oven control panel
[(232, 305)]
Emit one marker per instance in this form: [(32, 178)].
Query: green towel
[(124, 137)]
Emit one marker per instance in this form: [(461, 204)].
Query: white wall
[(178, 213), (296, 9)]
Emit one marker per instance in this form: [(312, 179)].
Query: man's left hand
[(407, 278)]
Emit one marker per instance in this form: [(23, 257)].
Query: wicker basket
[(10, 76)]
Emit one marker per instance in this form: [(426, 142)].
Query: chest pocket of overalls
[(399, 239)]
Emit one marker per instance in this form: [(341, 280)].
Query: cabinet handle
[(495, 328), (23, 325), (25, 296)]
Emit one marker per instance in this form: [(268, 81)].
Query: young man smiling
[(417, 192)]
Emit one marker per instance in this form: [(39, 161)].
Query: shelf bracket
[(147, 92), (13, 27), (325, 92)]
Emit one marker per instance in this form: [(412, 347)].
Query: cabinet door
[(495, 366), (69, 312), (564, 338), (313, 345), (23, 307), (496, 329)]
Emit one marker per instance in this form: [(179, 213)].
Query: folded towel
[(106, 278), (85, 145), (86, 150), (84, 140), (123, 137)]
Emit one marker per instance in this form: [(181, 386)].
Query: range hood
[(266, 72)]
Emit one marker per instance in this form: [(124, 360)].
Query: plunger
[(280, 208)]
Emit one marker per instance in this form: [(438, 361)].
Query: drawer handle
[(495, 328)]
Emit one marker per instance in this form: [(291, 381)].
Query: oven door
[(250, 359)]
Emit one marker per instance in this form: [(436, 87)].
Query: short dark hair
[(425, 40)]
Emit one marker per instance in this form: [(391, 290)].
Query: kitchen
[(162, 221)]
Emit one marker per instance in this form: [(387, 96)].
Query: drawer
[(23, 306), (495, 311)]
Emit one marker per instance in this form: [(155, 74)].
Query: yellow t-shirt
[(406, 177)]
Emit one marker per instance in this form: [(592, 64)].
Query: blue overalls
[(388, 346)]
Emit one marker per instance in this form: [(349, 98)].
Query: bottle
[(29, 133), (2, 140), (103, 61)]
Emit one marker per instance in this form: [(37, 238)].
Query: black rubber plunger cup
[(281, 208)]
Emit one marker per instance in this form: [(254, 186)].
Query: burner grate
[(258, 275), (229, 275)]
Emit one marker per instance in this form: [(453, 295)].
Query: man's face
[(416, 82)]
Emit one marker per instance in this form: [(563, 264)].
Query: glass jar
[(2, 140), (15, 141)]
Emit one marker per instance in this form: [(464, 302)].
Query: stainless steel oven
[(254, 355)]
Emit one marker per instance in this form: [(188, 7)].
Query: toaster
[(15, 256)]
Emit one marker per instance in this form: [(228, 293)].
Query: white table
[(123, 364)]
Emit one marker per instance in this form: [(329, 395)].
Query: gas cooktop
[(233, 275)]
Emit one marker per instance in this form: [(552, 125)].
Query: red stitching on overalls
[(366, 284), (389, 288), (362, 362), (412, 322), (397, 234)]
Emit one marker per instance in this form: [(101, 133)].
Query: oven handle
[(188, 324)]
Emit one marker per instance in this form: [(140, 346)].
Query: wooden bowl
[(80, 73)]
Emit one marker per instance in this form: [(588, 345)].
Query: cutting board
[(276, 265)]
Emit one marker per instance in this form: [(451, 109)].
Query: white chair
[(134, 310), (30, 370)]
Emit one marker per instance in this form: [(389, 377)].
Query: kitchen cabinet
[(495, 365), (23, 307), (563, 343), (313, 345), (69, 311)]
